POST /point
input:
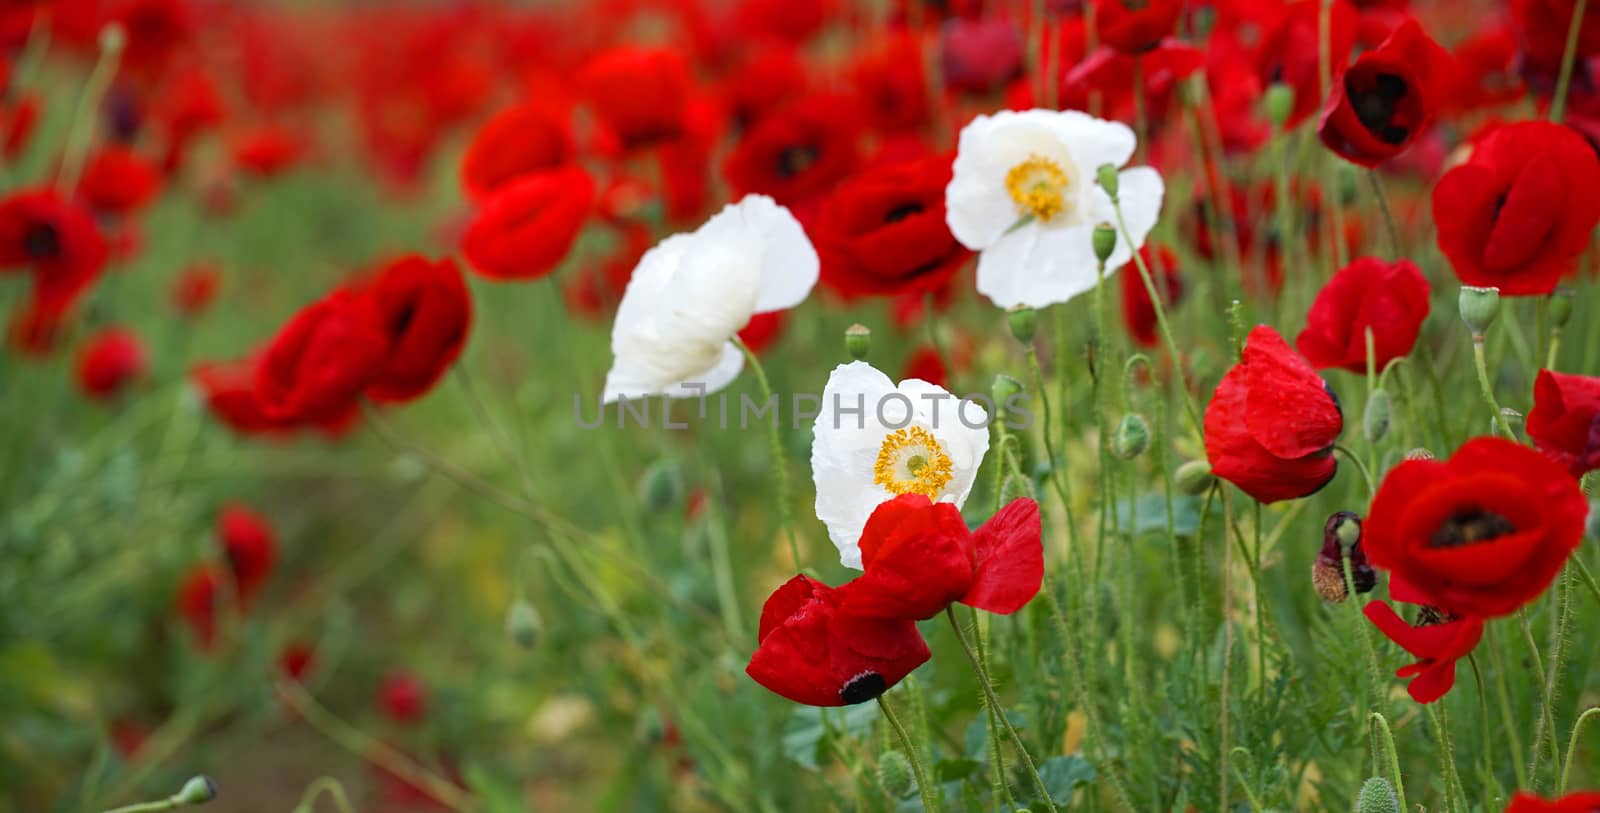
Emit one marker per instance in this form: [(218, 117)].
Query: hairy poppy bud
[(1377, 796), (1279, 103), (1479, 307), (1004, 389), (857, 341), (1106, 176), (1024, 323), (1375, 421), (523, 625), (1016, 488), (894, 774), (1194, 477), (1560, 307), (1132, 437), (1341, 536), (1105, 241), (661, 487), (196, 791)]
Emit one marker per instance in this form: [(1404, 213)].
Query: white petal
[(788, 265), (943, 414), (978, 207), (844, 446), (1093, 141)]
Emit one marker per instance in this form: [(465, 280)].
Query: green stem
[(1572, 748), (930, 798), (1366, 474), (994, 704), (1447, 758), (1558, 105), (86, 116), (326, 784), (1544, 723), (780, 469), (1161, 320), (1587, 577), (1388, 215), (1508, 720), (1487, 390), (1392, 756), (1561, 624)]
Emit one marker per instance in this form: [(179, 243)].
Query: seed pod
[(1105, 241), (857, 341), (1479, 307), (1279, 103), (196, 791), (1341, 534), (1560, 307), (1024, 323), (1377, 796), (894, 774), (1106, 176)]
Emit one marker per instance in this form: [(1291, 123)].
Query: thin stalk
[(1227, 643), (86, 116), (994, 703), (1487, 390), (1393, 757), (1572, 748), (1388, 215), (1587, 577), (780, 469), (1561, 623), (1447, 758), (1544, 723), (1161, 321), (930, 799), (1508, 720), (1558, 105), (328, 785)]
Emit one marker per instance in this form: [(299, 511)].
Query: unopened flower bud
[(1377, 796), (112, 40), (1375, 421), (1479, 307), (1024, 323), (1279, 103), (1560, 307), (1107, 177), (196, 791), (1016, 488), (1132, 436), (1003, 390), (857, 341), (1194, 477), (661, 487), (1341, 537), (894, 774), (523, 625), (1105, 241)]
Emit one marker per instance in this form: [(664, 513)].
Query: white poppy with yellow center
[(874, 441), (1023, 194)]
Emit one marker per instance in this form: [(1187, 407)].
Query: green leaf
[(1150, 515), (803, 732), (1063, 774), (949, 770)]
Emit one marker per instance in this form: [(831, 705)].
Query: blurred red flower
[(1387, 98), (1541, 27), (882, 231), (113, 359), (926, 365), (250, 547), (1437, 646), (317, 366), (1290, 51), (518, 141), (1565, 421), (426, 312), (893, 86), (54, 238), (296, 660), (798, 153), (402, 697), (526, 229), (195, 288), (1388, 298), (1134, 26), (1138, 310), (980, 56), (269, 150), (640, 93), (118, 181), (1524, 802), (197, 600)]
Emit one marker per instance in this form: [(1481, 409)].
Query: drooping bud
[(1105, 241), (1003, 390), (1279, 103), (1375, 420), (661, 487), (1107, 177), (1341, 536), (894, 774), (857, 341), (1560, 307), (1132, 436), (1377, 796), (1024, 323), (196, 791), (1016, 488), (523, 625), (1194, 477), (1479, 307)]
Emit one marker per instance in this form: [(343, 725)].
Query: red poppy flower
[(518, 141), (118, 181), (269, 151), (230, 392), (1290, 52), (317, 366), (1587, 802), (766, 77), (1480, 534), (111, 361), (426, 312), (18, 119), (812, 652), (1138, 311), (1134, 27), (195, 288), (1272, 422), (1518, 213), (198, 597), (893, 87), (641, 94), (54, 238), (155, 31), (296, 660), (402, 697), (1565, 421), (1387, 98), (883, 232), (1542, 28), (1436, 646), (1486, 69), (919, 558), (526, 229), (35, 330), (763, 330), (797, 153), (250, 547), (1111, 75), (1389, 299), (792, 21), (980, 56), (925, 364)]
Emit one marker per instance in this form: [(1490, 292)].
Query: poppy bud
[(1016, 488), (857, 341), (894, 774), (1560, 307), (1341, 537), (1377, 796), (1004, 389), (1132, 437), (1024, 323), (1279, 103), (1105, 241), (1194, 477), (1106, 176), (1375, 421), (196, 791), (523, 625), (661, 487), (1479, 307)]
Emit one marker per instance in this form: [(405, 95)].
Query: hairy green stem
[(780, 468), (994, 704), (930, 797)]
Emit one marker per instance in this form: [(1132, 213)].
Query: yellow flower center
[(1039, 186), (911, 461)]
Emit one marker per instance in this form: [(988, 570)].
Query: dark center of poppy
[(863, 687), (1469, 527), (1375, 105), (903, 211), (1432, 616), (796, 159), (41, 241), (402, 319)]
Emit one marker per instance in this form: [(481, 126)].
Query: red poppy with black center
[(641, 94), (56, 240), (1585, 802), (1478, 535), (1565, 421), (1520, 211), (110, 362), (317, 366), (1290, 51), (882, 231), (1135, 26), (764, 78), (1138, 310), (1272, 422), (118, 181), (1389, 299), (919, 558), (518, 141), (798, 153), (526, 228), (811, 651), (250, 547), (1387, 98), (1436, 641), (426, 311)]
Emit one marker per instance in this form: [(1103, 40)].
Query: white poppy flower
[(874, 441), (691, 293), (1023, 193)]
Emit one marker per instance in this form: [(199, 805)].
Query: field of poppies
[(799, 405)]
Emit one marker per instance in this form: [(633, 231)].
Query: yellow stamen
[(911, 461), (1039, 186)]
